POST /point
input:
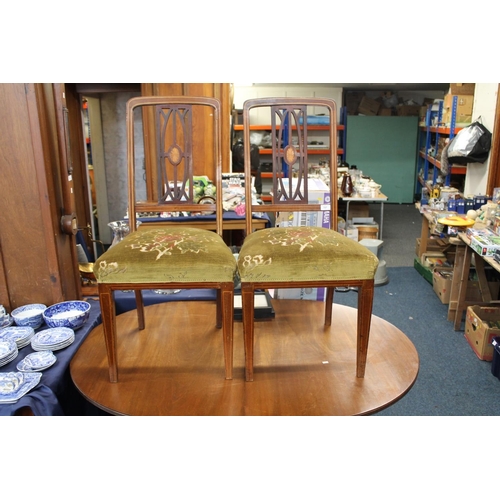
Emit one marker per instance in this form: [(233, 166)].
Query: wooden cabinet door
[(38, 256)]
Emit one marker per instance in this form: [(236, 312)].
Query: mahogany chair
[(170, 257), (300, 256)]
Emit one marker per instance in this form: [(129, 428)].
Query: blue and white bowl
[(70, 314), (29, 315)]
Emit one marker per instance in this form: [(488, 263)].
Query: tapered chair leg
[(365, 302), (108, 315), (227, 311)]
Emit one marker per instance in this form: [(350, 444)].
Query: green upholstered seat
[(294, 254), (167, 254)]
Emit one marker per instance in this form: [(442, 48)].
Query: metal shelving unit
[(429, 135)]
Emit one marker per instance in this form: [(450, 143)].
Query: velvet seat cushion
[(167, 254), (294, 254)]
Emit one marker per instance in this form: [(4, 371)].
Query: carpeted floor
[(451, 380)]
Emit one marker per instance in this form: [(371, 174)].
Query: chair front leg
[(227, 306), (108, 315), (365, 304), (218, 312)]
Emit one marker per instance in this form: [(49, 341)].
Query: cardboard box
[(385, 112), (433, 259), (459, 119), (441, 283), (351, 232), (406, 110), (434, 245), (368, 106), (462, 88), (352, 101), (481, 325), (464, 103)]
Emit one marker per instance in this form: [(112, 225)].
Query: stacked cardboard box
[(465, 103), (368, 106), (482, 324), (441, 283)]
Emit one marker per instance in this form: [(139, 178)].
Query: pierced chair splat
[(169, 257), (306, 256)]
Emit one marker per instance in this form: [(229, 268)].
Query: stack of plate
[(21, 335), (36, 361), (14, 385), (53, 339), (8, 351)]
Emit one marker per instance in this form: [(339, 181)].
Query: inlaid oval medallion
[(290, 154), (175, 155)]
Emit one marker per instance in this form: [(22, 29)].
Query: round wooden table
[(175, 366)]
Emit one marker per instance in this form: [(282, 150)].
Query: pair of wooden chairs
[(172, 257)]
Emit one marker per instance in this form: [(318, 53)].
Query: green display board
[(385, 148)]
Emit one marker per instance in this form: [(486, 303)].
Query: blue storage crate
[(495, 364)]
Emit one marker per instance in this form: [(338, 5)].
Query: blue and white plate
[(6, 321), (8, 351), (37, 361), (53, 339), (21, 335), (14, 385)]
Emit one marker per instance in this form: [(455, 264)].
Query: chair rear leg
[(329, 305), (140, 309), (365, 305), (247, 302)]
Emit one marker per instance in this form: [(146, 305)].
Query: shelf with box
[(440, 126), (316, 147)]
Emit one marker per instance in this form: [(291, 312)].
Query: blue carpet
[(452, 380)]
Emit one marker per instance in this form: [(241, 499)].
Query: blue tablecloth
[(55, 394), (125, 301), (46, 398)]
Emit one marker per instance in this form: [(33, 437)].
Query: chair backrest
[(179, 122), (290, 129)]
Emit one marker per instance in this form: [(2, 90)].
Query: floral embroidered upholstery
[(167, 254), (303, 253)]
